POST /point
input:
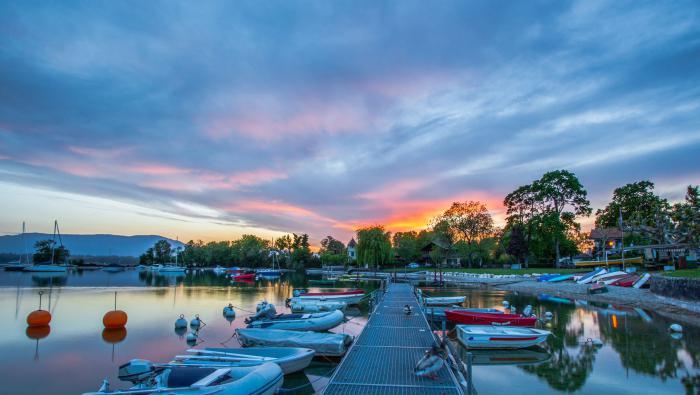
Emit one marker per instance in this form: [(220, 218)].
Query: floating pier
[(383, 357)]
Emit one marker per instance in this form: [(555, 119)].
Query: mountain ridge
[(101, 244)]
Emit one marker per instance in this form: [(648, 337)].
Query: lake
[(638, 354)]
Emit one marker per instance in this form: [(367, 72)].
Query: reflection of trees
[(564, 371), (647, 347), (158, 280), (691, 384), (49, 280)]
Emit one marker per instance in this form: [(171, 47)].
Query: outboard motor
[(527, 311), (298, 292), (264, 310), (137, 371)]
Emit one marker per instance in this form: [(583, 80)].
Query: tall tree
[(284, 243), (332, 246), (373, 246), (686, 216), (468, 221), (44, 252), (162, 251), (406, 246), (517, 245), (555, 193), (637, 203)]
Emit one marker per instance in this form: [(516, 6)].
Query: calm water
[(638, 355), (76, 355)]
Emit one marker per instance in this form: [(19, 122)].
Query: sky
[(208, 120)]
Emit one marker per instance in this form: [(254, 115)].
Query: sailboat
[(271, 272), (19, 265), (50, 267), (171, 268)]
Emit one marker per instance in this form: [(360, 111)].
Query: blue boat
[(563, 277), (546, 277)]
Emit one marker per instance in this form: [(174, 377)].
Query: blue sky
[(212, 119)]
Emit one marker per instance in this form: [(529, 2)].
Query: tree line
[(542, 225)]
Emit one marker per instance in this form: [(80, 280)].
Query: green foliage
[(332, 246), (469, 222), (373, 246), (637, 203), (301, 251), (407, 247), (516, 243), (250, 251), (46, 249), (686, 216)]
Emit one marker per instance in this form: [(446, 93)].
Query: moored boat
[(317, 306), (439, 312), (300, 322), (350, 297), (46, 268), (150, 378), (290, 359), (325, 344), (244, 276), (472, 318), (488, 336)]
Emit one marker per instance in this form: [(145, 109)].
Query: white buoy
[(196, 322), (506, 304), (548, 315), (675, 328), (229, 311), (181, 322)]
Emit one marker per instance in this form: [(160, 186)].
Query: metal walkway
[(382, 359)]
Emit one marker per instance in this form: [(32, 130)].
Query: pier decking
[(382, 359)]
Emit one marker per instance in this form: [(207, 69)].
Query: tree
[(250, 250), (468, 221), (637, 203), (556, 192), (162, 251), (406, 246), (46, 251), (284, 243), (301, 251), (686, 216), (333, 246), (373, 246), (517, 245)]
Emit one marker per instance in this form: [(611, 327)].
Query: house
[(606, 239), (352, 249), (448, 260)]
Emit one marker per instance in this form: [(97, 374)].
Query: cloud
[(324, 117)]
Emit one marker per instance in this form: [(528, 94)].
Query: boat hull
[(325, 344), (290, 359), (471, 318), (490, 337), (302, 322)]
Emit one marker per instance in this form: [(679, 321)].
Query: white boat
[(443, 300), (488, 336), (169, 269), (219, 270), (587, 278), (18, 266), (290, 359), (604, 276), (351, 297), (642, 280), (300, 322), (325, 344), (317, 306), (150, 378), (611, 279), (46, 268)]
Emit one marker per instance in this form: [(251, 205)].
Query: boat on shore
[(290, 359), (627, 281), (500, 337), (350, 297), (613, 277), (471, 318), (588, 277), (300, 322), (150, 378), (597, 288), (325, 344), (643, 281)]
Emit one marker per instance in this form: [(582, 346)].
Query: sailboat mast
[(24, 243)]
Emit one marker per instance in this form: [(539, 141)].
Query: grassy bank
[(690, 273)]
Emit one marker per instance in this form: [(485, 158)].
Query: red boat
[(249, 276), (474, 318), (627, 281)]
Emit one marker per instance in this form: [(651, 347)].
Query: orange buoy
[(38, 332), (38, 318), (116, 318)]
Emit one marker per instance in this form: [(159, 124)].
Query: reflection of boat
[(509, 357), (322, 282), (301, 322), (325, 344), (488, 336), (471, 318), (350, 297), (46, 268), (290, 359), (555, 299), (443, 300), (113, 268), (269, 272), (152, 378)]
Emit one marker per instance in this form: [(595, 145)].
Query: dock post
[(443, 330), (470, 384)]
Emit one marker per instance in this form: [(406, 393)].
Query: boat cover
[(331, 344)]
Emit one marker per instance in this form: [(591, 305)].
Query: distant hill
[(96, 245)]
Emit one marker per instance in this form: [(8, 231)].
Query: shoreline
[(675, 309)]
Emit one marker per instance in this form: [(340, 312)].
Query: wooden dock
[(382, 359)]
